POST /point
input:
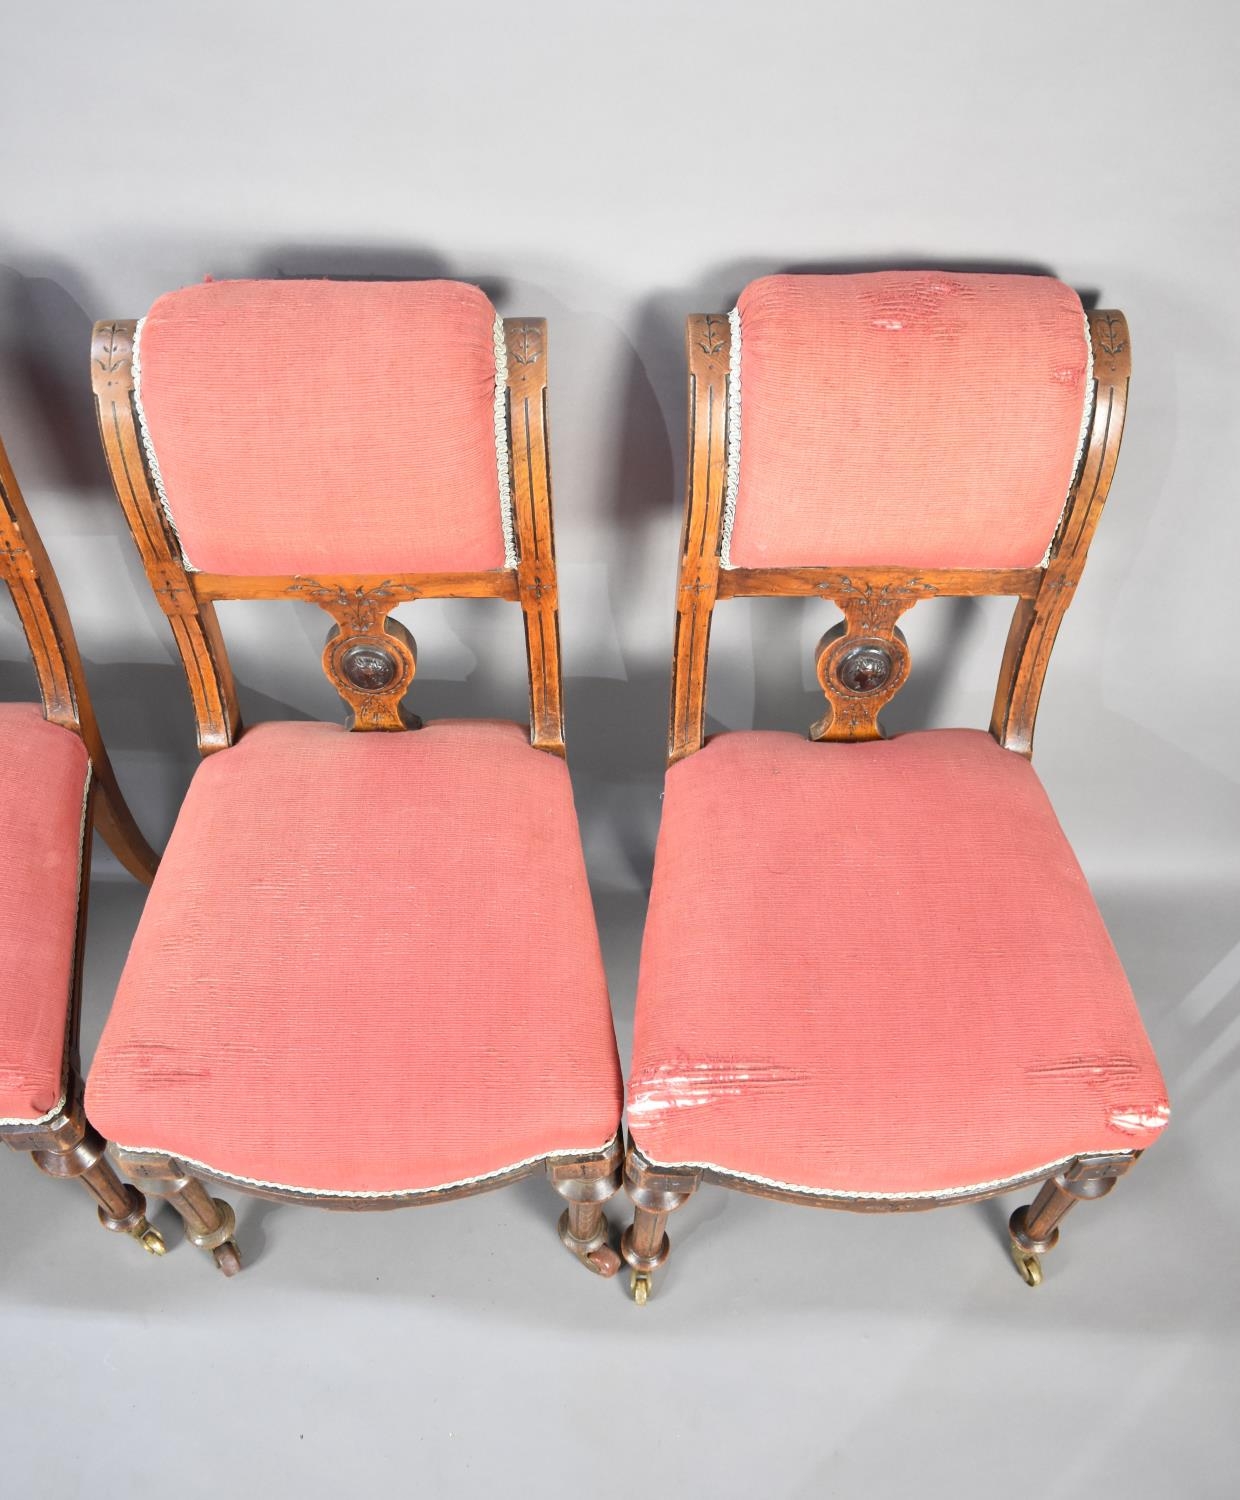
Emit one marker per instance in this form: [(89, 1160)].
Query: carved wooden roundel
[(866, 668), (372, 670), (859, 673), (368, 667)]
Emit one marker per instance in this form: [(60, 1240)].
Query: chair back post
[(537, 580), (26, 570), (194, 625), (708, 344), (1036, 621)]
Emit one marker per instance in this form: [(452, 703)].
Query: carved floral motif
[(1108, 333), (356, 608), (114, 352), (525, 344), (713, 341)]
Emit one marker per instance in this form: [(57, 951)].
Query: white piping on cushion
[(501, 444), (148, 447), (46, 1119), (309, 1192), (733, 478), (1087, 417), (997, 1185), (84, 832)]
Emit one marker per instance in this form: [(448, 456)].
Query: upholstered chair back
[(301, 427), (919, 419)]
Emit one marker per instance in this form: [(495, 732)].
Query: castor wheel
[(227, 1257), (603, 1262), (595, 1253), (641, 1286), (219, 1242), (1028, 1264), (150, 1239)]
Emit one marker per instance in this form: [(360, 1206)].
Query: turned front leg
[(1034, 1229), (70, 1148), (656, 1193), (209, 1222), (583, 1227)]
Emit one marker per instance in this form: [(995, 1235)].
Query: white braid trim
[(343, 1193), (501, 444), (998, 1184), (148, 447), (1087, 417), (733, 478)]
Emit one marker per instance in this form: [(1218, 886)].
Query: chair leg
[(209, 1222), (587, 1185), (69, 1147), (656, 1193), (1034, 1229)]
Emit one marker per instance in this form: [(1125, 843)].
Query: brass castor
[(640, 1285), (1028, 1264), (135, 1223), (150, 1239)]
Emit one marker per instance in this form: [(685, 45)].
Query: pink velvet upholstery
[(43, 776), (307, 425), (877, 969), (368, 964), (917, 418)]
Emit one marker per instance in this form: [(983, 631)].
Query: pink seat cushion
[(877, 969), (304, 426), (43, 777), (915, 418), (368, 964)]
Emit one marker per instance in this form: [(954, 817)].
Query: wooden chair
[(368, 974), (873, 977), (56, 787)]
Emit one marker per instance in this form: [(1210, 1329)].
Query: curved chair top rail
[(865, 661), (27, 572), (370, 658)]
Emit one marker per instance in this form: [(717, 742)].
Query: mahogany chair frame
[(371, 660), (861, 665), (65, 1144)]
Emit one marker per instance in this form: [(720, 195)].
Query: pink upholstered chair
[(56, 788), (873, 976), (368, 973)]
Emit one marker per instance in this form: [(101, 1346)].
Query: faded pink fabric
[(368, 963), (336, 426), (43, 774), (878, 969), (924, 419)]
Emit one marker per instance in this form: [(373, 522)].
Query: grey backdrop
[(614, 169)]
